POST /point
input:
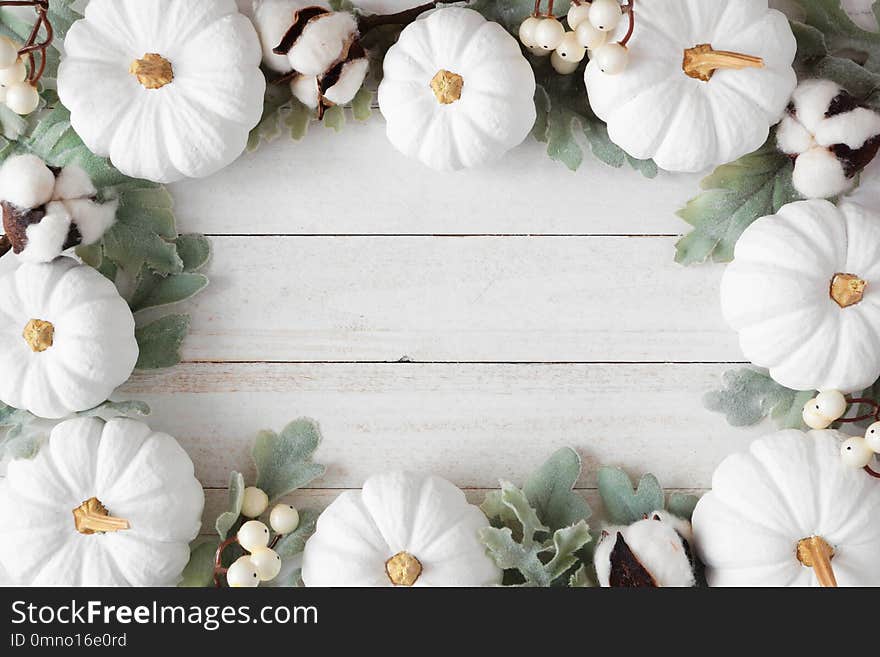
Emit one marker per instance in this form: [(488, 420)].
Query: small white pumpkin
[(166, 89), (66, 338), (804, 293), (789, 513), (656, 109), (102, 504), (457, 90), (402, 529)]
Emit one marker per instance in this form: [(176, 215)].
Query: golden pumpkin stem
[(91, 516), (152, 71), (702, 61), (403, 569), (39, 335), (447, 86), (847, 289), (814, 552)]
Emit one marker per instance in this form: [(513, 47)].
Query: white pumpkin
[(66, 338), (457, 90), (166, 89), (656, 109), (402, 529), (804, 293), (102, 504), (786, 503)]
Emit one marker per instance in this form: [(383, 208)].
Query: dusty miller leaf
[(295, 542), (624, 505), (160, 342), (154, 291), (566, 542), (235, 497), (199, 572), (580, 579), (750, 395), (362, 105), (840, 32), (284, 461), (194, 251), (682, 505), (549, 490), (109, 409)]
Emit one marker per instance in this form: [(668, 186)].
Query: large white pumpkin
[(804, 293), (102, 504), (655, 109), (784, 504), (166, 89), (457, 90), (66, 338), (402, 529)]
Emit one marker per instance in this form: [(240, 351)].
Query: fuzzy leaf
[(235, 498), (580, 579), (566, 542), (12, 417), (623, 504), (154, 291), (682, 505), (750, 395), (276, 106), (194, 251), (735, 195), (840, 32), (549, 490), (511, 13), (199, 572), (510, 555), (110, 409), (515, 500), (160, 342), (295, 542), (284, 461), (20, 442), (362, 105), (334, 118)]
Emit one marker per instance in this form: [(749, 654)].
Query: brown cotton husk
[(301, 18), (626, 570), (16, 221)]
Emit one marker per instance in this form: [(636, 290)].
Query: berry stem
[(32, 46), (628, 9), (864, 401), (218, 559)]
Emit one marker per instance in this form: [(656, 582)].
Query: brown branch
[(629, 11), (32, 46), (218, 559), (367, 23)]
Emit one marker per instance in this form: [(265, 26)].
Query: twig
[(32, 46), (628, 9), (367, 23), (218, 559)]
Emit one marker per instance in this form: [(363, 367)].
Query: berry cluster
[(262, 563), (16, 91), (829, 407), (858, 451), (591, 25)]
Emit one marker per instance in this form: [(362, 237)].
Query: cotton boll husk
[(350, 81), (852, 128), (73, 182), (656, 545), (272, 19), (819, 174), (322, 43), (305, 90), (46, 239), (811, 100), (26, 181), (92, 219), (792, 138)]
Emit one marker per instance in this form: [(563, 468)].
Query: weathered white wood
[(472, 424), (475, 299)]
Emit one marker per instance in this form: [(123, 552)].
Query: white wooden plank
[(356, 183), (475, 299), (472, 424)]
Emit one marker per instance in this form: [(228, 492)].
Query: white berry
[(253, 535), (578, 14), (284, 518), (549, 33), (855, 452), (255, 502), (812, 418), (527, 31), (611, 58), (17, 72), (831, 404), (570, 49), (589, 37), (872, 437), (562, 66), (22, 98), (8, 52), (539, 52), (267, 562), (605, 15), (243, 574)]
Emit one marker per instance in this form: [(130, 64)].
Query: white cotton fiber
[(819, 174), (45, 240), (26, 182)]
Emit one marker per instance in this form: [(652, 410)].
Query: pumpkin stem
[(152, 71), (447, 86), (39, 335), (702, 61), (814, 552), (403, 569), (91, 516), (847, 289)]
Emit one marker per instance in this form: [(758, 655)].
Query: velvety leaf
[(12, 125), (21, 442), (362, 105), (199, 572), (510, 555), (511, 13), (294, 543), (566, 542), (110, 409), (131, 246), (580, 579), (682, 505), (750, 395), (735, 195), (234, 499), (623, 504), (515, 499), (194, 251), (155, 291), (160, 342), (92, 254), (298, 120), (11, 417), (284, 461), (276, 105), (841, 33), (549, 491), (334, 118)]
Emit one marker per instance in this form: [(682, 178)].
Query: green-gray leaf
[(154, 291), (750, 395), (566, 542), (515, 499), (623, 504), (682, 505), (194, 250), (294, 543), (510, 555), (109, 409), (160, 342), (284, 461), (840, 32), (549, 491), (199, 572), (234, 500)]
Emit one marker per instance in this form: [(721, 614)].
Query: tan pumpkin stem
[(847, 289), (91, 516), (447, 86), (814, 552), (403, 569), (39, 335), (152, 71), (702, 61)]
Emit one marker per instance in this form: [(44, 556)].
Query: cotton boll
[(819, 174), (811, 101), (272, 19), (852, 128), (26, 181), (351, 78), (680, 525), (657, 547), (73, 182), (46, 239), (323, 41), (792, 137), (305, 90), (92, 219)]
